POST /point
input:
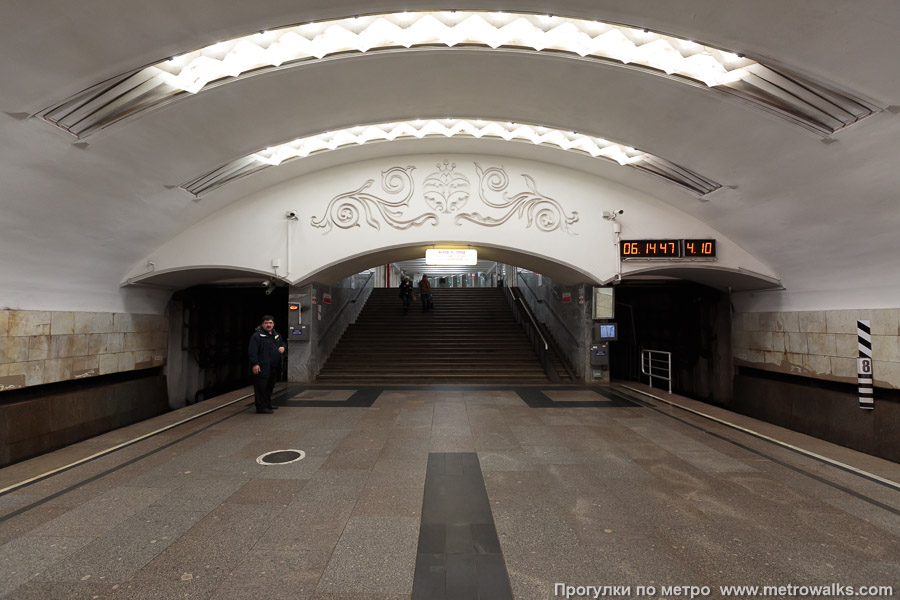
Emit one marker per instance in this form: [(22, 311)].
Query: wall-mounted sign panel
[(447, 257), (668, 249)]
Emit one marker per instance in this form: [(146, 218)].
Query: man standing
[(425, 291), (266, 348), (406, 290)]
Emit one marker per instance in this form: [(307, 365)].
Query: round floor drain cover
[(281, 457)]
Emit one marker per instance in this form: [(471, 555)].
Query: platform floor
[(594, 486)]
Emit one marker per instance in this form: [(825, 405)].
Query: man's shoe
[(265, 411)]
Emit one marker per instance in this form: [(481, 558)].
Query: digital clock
[(699, 248), (643, 249)]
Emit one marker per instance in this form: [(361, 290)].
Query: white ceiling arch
[(816, 105), (823, 216), (540, 135)]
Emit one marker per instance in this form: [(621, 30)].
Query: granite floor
[(586, 487)]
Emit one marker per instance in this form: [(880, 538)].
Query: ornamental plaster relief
[(445, 191)]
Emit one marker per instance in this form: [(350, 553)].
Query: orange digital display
[(667, 249)]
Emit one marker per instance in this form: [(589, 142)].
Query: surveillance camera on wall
[(266, 283), (611, 216), (291, 214), (269, 290)]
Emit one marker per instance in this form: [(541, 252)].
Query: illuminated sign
[(447, 257), (643, 249)]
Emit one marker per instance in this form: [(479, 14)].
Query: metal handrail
[(532, 331), (648, 361), (534, 324), (552, 312), (347, 302)]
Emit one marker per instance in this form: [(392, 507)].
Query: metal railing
[(337, 317), (524, 318), (552, 312), (657, 363)]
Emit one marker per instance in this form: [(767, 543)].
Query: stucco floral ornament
[(446, 190), (345, 210), (543, 212)]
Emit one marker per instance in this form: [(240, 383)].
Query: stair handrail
[(552, 312), (344, 306), (541, 346)]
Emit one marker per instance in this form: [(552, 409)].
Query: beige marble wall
[(39, 347), (819, 344)]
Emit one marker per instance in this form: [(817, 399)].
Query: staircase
[(469, 337)]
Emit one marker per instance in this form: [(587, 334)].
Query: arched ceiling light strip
[(456, 128), (813, 105)]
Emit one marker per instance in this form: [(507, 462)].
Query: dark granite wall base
[(829, 414), (39, 424)]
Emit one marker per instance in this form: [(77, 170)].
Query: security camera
[(269, 290), (266, 283), (611, 216), (291, 214)]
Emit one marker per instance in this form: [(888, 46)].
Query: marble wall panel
[(109, 363), (843, 367), (58, 369), (846, 345), (17, 349), (791, 321), (28, 322), (887, 374), (39, 347), (62, 323), (33, 371), (761, 340), (122, 322), (115, 342), (886, 322), (818, 365), (886, 348), (126, 361), (751, 321), (770, 322), (813, 321), (842, 321), (796, 343), (778, 343), (97, 343), (820, 344)]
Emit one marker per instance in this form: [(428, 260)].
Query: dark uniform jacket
[(264, 352), (406, 288)]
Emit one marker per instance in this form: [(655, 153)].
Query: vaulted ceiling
[(819, 207)]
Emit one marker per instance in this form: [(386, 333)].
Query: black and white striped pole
[(864, 375)]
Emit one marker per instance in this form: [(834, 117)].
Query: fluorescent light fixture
[(670, 56), (447, 257), (451, 128)]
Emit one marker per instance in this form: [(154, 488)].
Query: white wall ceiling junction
[(77, 218)]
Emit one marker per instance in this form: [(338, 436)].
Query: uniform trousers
[(263, 386)]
